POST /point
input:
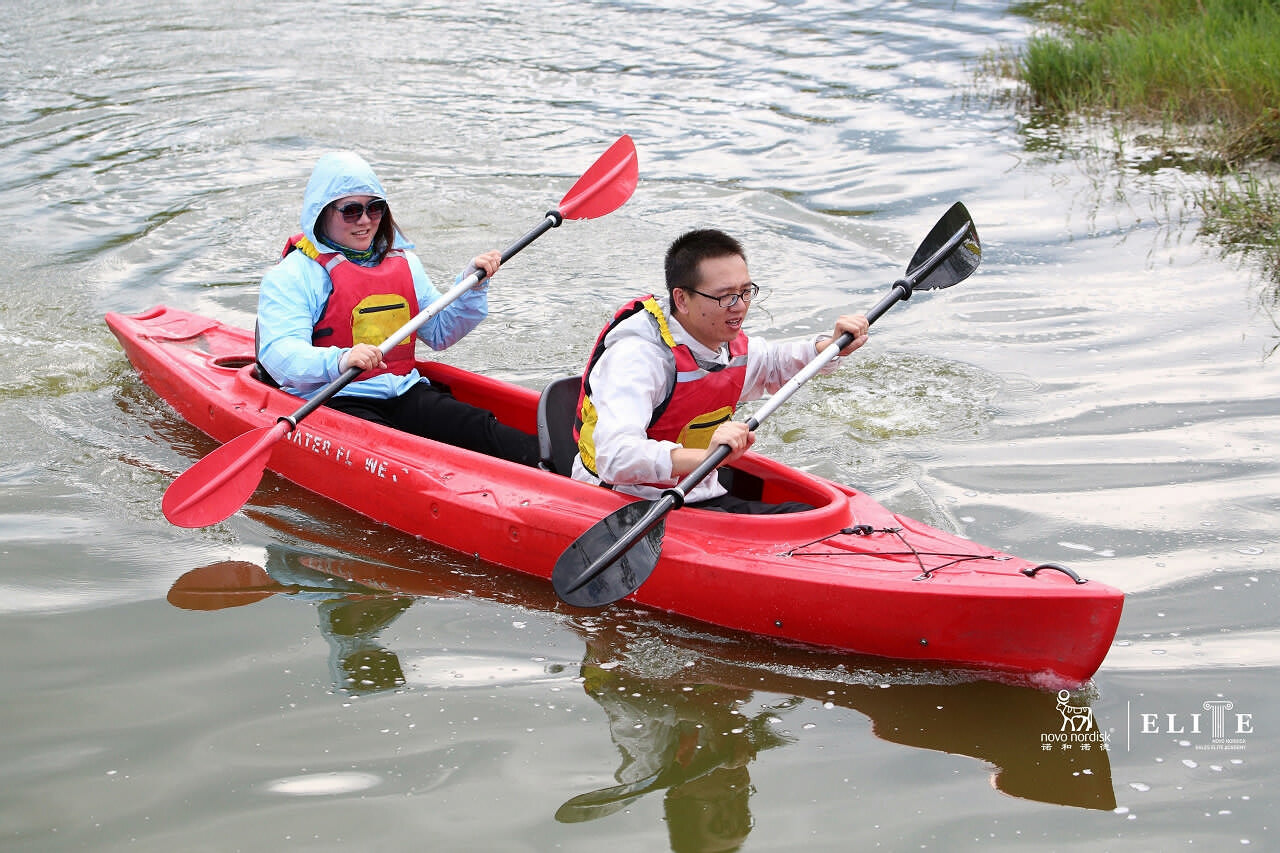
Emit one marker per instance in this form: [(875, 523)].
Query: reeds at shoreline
[(1208, 71)]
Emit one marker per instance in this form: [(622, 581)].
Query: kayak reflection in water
[(688, 739), (680, 707)]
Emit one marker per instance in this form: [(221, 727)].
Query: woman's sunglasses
[(353, 210)]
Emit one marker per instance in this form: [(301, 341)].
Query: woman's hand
[(488, 263), (363, 356)]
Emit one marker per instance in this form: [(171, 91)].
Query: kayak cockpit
[(549, 415)]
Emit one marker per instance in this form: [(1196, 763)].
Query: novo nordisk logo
[(1078, 730)]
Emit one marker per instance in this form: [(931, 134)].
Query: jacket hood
[(336, 175)]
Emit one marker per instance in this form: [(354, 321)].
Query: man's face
[(699, 312)]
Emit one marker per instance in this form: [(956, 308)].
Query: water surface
[(298, 677)]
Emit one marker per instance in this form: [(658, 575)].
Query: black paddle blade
[(619, 578), (960, 259)]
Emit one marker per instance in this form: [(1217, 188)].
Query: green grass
[(1207, 71), (1245, 217)]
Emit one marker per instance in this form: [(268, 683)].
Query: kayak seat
[(260, 373), (259, 369), (557, 410)]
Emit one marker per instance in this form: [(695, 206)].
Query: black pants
[(728, 503), (432, 413)]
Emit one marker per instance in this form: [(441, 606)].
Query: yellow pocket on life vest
[(699, 430), (376, 317)]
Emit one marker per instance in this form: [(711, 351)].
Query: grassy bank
[(1206, 71)]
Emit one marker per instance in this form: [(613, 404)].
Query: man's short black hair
[(690, 249)]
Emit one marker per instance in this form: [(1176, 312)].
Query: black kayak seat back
[(557, 410)]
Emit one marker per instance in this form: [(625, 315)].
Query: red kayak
[(849, 575)]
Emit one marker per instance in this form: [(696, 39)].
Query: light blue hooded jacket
[(293, 294)]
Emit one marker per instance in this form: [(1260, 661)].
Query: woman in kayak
[(346, 284), (660, 390)]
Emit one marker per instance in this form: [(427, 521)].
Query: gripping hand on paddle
[(489, 263), (736, 435), (856, 325), (369, 357), (363, 356)]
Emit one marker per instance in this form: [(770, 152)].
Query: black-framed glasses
[(353, 210), (731, 299)]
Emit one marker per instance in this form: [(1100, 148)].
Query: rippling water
[(1098, 394)]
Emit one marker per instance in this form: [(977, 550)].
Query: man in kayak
[(348, 282), (659, 390)]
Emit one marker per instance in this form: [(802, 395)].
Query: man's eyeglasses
[(731, 299), (353, 210)]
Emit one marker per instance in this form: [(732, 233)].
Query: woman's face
[(358, 233)]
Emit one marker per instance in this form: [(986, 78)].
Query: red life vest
[(367, 305), (703, 396)]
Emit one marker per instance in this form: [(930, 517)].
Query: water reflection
[(350, 616), (691, 740), (688, 709), (645, 676)]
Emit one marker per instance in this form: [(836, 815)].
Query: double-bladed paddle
[(618, 553), (220, 483)]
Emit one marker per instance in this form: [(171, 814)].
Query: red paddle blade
[(219, 484), (606, 185)]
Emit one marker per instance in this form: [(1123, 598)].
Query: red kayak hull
[(905, 591)]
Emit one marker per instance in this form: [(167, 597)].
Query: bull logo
[(1074, 718)]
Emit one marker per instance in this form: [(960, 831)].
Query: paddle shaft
[(674, 497), (553, 219)]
